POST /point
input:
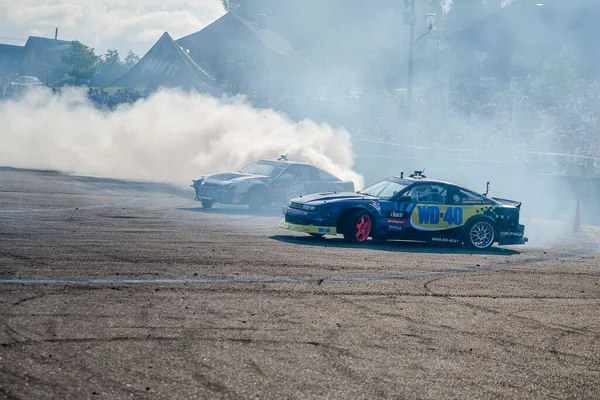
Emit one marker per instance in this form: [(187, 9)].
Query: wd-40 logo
[(431, 215)]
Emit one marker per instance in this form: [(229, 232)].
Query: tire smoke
[(171, 137)]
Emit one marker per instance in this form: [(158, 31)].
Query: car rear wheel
[(480, 234), (358, 226), (207, 203)]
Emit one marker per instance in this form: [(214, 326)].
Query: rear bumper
[(513, 237), (321, 230)]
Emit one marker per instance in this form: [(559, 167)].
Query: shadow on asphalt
[(392, 245), (240, 210)]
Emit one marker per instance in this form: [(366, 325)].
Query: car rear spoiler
[(508, 202)]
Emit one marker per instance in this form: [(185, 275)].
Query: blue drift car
[(413, 208)]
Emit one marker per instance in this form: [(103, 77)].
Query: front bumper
[(224, 195), (513, 237), (320, 230)]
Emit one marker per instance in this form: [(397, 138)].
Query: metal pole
[(410, 59), (437, 52)]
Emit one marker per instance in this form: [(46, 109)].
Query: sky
[(105, 24)]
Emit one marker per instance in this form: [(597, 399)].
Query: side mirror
[(404, 199)]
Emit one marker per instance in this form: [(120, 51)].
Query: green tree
[(111, 65), (83, 60), (131, 59)]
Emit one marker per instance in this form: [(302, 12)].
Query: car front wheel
[(358, 226), (480, 234), (207, 203)]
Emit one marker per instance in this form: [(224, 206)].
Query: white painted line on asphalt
[(67, 209)]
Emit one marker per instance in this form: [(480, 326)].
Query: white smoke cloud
[(446, 5), (170, 137), (107, 24)]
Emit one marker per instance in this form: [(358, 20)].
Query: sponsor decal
[(430, 215), (396, 228), (396, 222), (445, 240), (376, 206), (456, 198), (294, 189), (466, 202), (511, 234), (395, 214), (324, 230)]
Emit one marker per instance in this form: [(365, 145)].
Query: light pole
[(409, 19)]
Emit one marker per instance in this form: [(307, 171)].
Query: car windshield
[(263, 168), (25, 79), (384, 189)]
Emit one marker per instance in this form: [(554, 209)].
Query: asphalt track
[(112, 289)]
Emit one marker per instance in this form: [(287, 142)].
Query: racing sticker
[(439, 217), (294, 189), (376, 206), (396, 220), (511, 234), (445, 240)]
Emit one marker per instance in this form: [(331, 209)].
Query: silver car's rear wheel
[(480, 235)]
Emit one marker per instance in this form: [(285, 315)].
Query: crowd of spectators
[(523, 121), (104, 100)]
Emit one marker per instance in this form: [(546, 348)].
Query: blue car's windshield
[(384, 189)]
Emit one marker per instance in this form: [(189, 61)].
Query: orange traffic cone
[(577, 222)]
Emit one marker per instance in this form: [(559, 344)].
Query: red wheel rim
[(363, 228)]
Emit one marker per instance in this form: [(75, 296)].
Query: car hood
[(231, 177), (326, 198)]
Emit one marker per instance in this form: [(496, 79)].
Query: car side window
[(428, 193), (466, 197), (299, 172), (324, 175)]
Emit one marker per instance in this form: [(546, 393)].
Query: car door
[(296, 181), (429, 213)]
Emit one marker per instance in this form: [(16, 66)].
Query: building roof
[(42, 43)]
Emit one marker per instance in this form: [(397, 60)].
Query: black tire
[(479, 234), (256, 200), (207, 203), (352, 231), (317, 235)]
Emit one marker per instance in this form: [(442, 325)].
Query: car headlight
[(308, 208)]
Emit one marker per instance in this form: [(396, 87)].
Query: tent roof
[(230, 25), (165, 64)]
